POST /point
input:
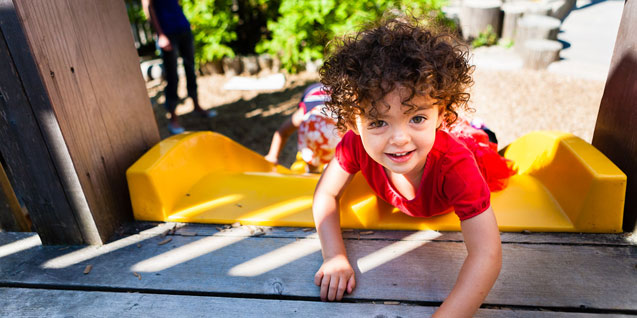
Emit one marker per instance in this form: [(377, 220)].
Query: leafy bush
[(293, 30), (301, 32), (486, 37), (213, 27)]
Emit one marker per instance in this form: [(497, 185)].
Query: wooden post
[(539, 53), (74, 114), (535, 27), (560, 9), (476, 15), (512, 13), (11, 216), (615, 132)]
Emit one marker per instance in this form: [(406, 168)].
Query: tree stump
[(265, 62), (561, 8), (212, 68), (232, 66), (535, 27), (476, 15), (151, 69), (250, 64), (539, 53), (512, 13), (538, 8)]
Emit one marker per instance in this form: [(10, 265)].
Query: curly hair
[(364, 67)]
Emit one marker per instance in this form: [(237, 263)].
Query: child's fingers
[(318, 277), (342, 286), (351, 284), (325, 285), (331, 294)]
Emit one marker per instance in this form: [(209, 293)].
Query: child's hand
[(335, 277)]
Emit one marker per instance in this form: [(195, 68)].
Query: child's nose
[(399, 136)]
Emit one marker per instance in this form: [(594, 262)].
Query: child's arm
[(336, 275), (282, 134), (480, 268)]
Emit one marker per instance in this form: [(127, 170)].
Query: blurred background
[(540, 64)]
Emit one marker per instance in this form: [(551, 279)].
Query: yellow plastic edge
[(586, 184)]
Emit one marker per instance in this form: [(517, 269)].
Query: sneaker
[(207, 113), (175, 130)]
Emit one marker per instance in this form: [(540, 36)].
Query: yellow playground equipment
[(563, 184)]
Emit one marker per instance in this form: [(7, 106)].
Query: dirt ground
[(511, 103)]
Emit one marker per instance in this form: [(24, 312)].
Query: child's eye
[(418, 119), (377, 124)]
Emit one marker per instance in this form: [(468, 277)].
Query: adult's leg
[(169, 59), (187, 52)]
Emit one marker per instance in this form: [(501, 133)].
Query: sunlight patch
[(277, 258), (395, 250), (185, 253), (90, 252), (19, 246)]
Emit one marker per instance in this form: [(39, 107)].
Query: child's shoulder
[(448, 146)]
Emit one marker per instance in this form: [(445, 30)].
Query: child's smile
[(400, 139)]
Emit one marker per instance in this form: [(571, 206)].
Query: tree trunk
[(512, 13), (476, 15), (538, 54), (535, 27)]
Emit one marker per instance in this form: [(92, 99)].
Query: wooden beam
[(414, 269), (29, 164), (11, 216), (615, 131), (23, 302), (82, 81)]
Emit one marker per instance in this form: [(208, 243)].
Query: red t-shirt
[(451, 178)]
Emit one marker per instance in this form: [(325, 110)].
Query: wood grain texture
[(11, 216), (292, 232), (20, 302), (537, 275), (27, 126), (85, 54), (615, 135)]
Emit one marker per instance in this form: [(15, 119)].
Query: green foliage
[(213, 27), (135, 11), (486, 37), (296, 31), (301, 32), (506, 43)]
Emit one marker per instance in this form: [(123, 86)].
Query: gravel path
[(513, 103)]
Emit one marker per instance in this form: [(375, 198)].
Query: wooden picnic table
[(193, 270)]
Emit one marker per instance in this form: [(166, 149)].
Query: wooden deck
[(206, 271)]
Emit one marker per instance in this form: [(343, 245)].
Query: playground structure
[(74, 115), (69, 141), (203, 177)]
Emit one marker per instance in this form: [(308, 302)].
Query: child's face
[(401, 141)]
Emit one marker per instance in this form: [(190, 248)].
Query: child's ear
[(352, 126), (441, 116)]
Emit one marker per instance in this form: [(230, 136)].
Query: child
[(317, 133), (393, 86)]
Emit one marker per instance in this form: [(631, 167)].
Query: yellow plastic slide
[(563, 185)]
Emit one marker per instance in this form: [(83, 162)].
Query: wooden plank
[(21, 302), (614, 134), (27, 125), (530, 238), (581, 278), (84, 51), (11, 216)]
